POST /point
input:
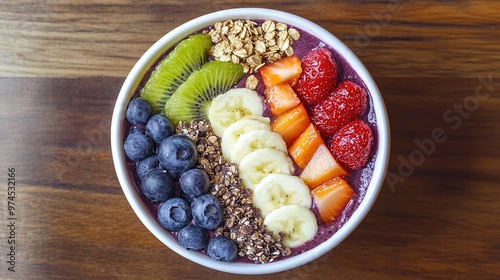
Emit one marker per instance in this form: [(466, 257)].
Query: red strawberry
[(318, 78), (351, 145), (347, 102)]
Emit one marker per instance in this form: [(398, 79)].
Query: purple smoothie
[(358, 180)]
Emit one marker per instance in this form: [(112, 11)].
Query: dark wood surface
[(437, 65)]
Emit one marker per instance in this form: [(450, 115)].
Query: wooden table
[(437, 65)]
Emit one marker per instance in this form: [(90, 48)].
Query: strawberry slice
[(351, 145), (321, 168), (280, 98), (285, 70), (291, 123), (304, 147), (319, 76), (331, 198), (347, 102)]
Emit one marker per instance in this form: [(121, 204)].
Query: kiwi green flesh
[(193, 98), (188, 56)]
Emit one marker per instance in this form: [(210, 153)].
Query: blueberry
[(194, 182), (138, 145), (157, 185), (138, 111), (177, 154), (208, 213), (159, 127), (174, 214), (147, 164), (193, 237), (189, 198), (222, 249)]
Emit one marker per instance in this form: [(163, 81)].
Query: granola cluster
[(242, 221), (250, 44)]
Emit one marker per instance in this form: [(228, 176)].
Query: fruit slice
[(233, 132), (188, 56), (321, 168), (297, 223), (254, 140), (263, 119), (351, 145), (331, 198), (319, 76), (291, 123), (280, 98), (347, 102), (285, 70), (304, 147), (260, 163), (277, 190), (231, 106), (193, 97)]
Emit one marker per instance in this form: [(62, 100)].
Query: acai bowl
[(250, 141)]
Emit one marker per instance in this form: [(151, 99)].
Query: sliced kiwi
[(193, 98), (188, 56)]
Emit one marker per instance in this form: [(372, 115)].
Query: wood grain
[(435, 62), (397, 38)]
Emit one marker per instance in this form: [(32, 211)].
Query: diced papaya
[(280, 98), (304, 147), (331, 198), (291, 123), (285, 70), (321, 168)]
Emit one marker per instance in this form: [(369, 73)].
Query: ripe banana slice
[(254, 140), (259, 163), (277, 190), (231, 106), (265, 120), (297, 223), (233, 132)]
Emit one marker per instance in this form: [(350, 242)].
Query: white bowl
[(142, 210)]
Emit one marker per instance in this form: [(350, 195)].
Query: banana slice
[(254, 140), (277, 190), (259, 163), (265, 120), (233, 132), (297, 223), (231, 106)]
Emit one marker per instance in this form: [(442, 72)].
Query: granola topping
[(251, 82), (252, 45), (242, 221)]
